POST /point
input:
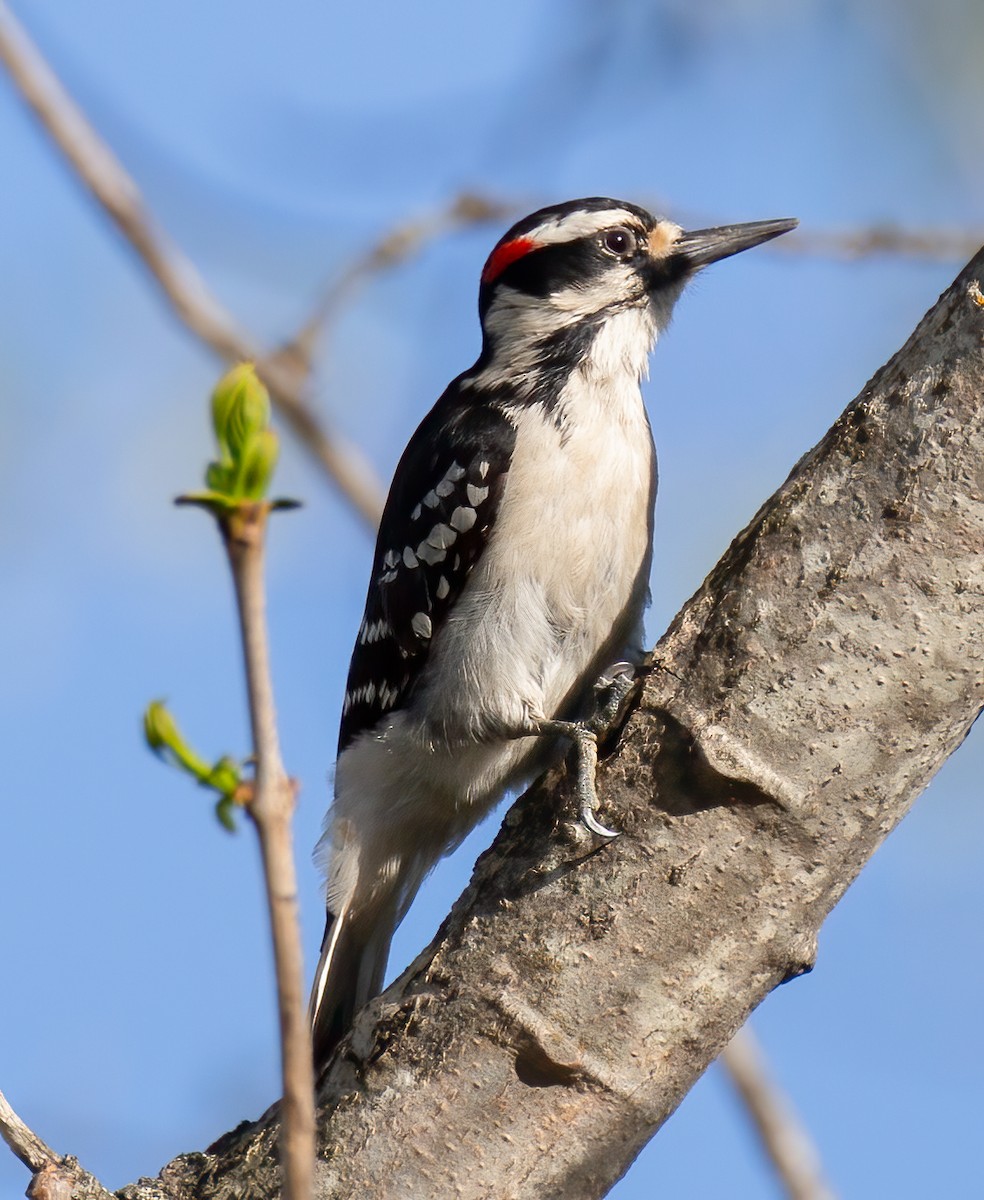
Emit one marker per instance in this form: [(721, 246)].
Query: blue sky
[(136, 1011)]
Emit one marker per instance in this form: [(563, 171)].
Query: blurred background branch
[(784, 1138), (185, 290), (393, 249)]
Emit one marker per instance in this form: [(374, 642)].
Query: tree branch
[(784, 1139), (25, 1143), (53, 1177), (394, 248), (271, 807), (939, 245), (115, 191), (797, 706)]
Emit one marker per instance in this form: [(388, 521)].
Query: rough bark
[(797, 706)]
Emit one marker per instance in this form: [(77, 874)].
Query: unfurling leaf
[(166, 740)]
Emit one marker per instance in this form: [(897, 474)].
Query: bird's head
[(582, 262)]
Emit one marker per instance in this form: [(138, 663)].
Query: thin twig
[(935, 245), (784, 1139), (53, 1177), (271, 807), (392, 249), (175, 275), (25, 1143)]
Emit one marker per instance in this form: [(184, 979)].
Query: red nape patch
[(502, 256)]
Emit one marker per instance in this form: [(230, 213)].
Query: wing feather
[(438, 519)]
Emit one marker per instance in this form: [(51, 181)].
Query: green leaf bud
[(240, 409), (257, 465), (224, 777), (218, 477), (160, 729), (164, 738), (224, 810)]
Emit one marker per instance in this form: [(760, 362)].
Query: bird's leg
[(585, 741), (611, 691)]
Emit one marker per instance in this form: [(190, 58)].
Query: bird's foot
[(585, 740)]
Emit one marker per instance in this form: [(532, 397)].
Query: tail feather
[(366, 902), (350, 972)]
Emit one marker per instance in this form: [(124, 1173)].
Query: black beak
[(704, 246)]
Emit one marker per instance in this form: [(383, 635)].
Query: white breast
[(563, 576)]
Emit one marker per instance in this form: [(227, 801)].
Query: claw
[(615, 673), (591, 822)]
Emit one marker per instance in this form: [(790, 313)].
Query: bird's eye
[(620, 242)]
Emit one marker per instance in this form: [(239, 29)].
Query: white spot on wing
[(409, 557), (483, 469), (430, 554), (476, 494), (463, 519), (445, 487), (421, 625), (360, 695), (443, 587), (431, 499), (374, 631), (441, 536)]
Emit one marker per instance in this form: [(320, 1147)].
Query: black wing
[(437, 520)]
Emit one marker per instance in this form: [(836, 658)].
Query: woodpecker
[(511, 568)]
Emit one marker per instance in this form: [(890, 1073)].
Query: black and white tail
[(350, 972), (365, 904)]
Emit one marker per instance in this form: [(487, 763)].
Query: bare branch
[(393, 249), (185, 290), (271, 807), (940, 245), (54, 1177), (784, 1138), (24, 1142)]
